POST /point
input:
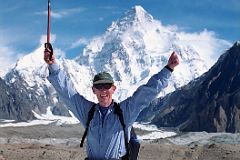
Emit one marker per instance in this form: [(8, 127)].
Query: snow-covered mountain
[(132, 49), (135, 47), (28, 77)]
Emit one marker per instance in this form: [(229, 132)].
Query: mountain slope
[(15, 105), (28, 78), (210, 103)]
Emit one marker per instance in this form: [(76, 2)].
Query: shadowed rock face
[(209, 103), (14, 103), (17, 102)]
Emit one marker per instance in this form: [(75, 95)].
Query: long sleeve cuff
[(53, 68), (170, 69)]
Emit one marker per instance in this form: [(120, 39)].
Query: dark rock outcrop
[(18, 100), (14, 103)]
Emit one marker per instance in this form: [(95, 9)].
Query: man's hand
[(49, 57), (173, 61)]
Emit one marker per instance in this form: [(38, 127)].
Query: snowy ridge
[(203, 138), (238, 43), (155, 132), (32, 67), (43, 119)]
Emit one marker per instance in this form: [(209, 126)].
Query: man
[(105, 138)]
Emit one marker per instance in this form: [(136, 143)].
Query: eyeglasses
[(102, 86)]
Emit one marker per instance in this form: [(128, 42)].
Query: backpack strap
[(90, 117), (118, 111)]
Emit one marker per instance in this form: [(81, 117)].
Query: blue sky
[(75, 22)]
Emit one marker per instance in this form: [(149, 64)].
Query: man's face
[(104, 93)]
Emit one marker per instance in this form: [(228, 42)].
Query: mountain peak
[(139, 10), (32, 60), (237, 43), (134, 17), (139, 14)]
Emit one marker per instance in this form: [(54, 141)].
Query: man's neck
[(106, 105)]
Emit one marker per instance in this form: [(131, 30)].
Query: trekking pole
[(48, 45), (48, 23)]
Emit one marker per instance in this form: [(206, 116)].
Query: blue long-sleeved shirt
[(105, 139)]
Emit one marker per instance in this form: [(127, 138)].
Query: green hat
[(102, 77)]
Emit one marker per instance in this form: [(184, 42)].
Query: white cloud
[(7, 55), (101, 19), (62, 13), (79, 42), (206, 44), (8, 58)]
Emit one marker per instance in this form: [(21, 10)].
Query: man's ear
[(114, 88)]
